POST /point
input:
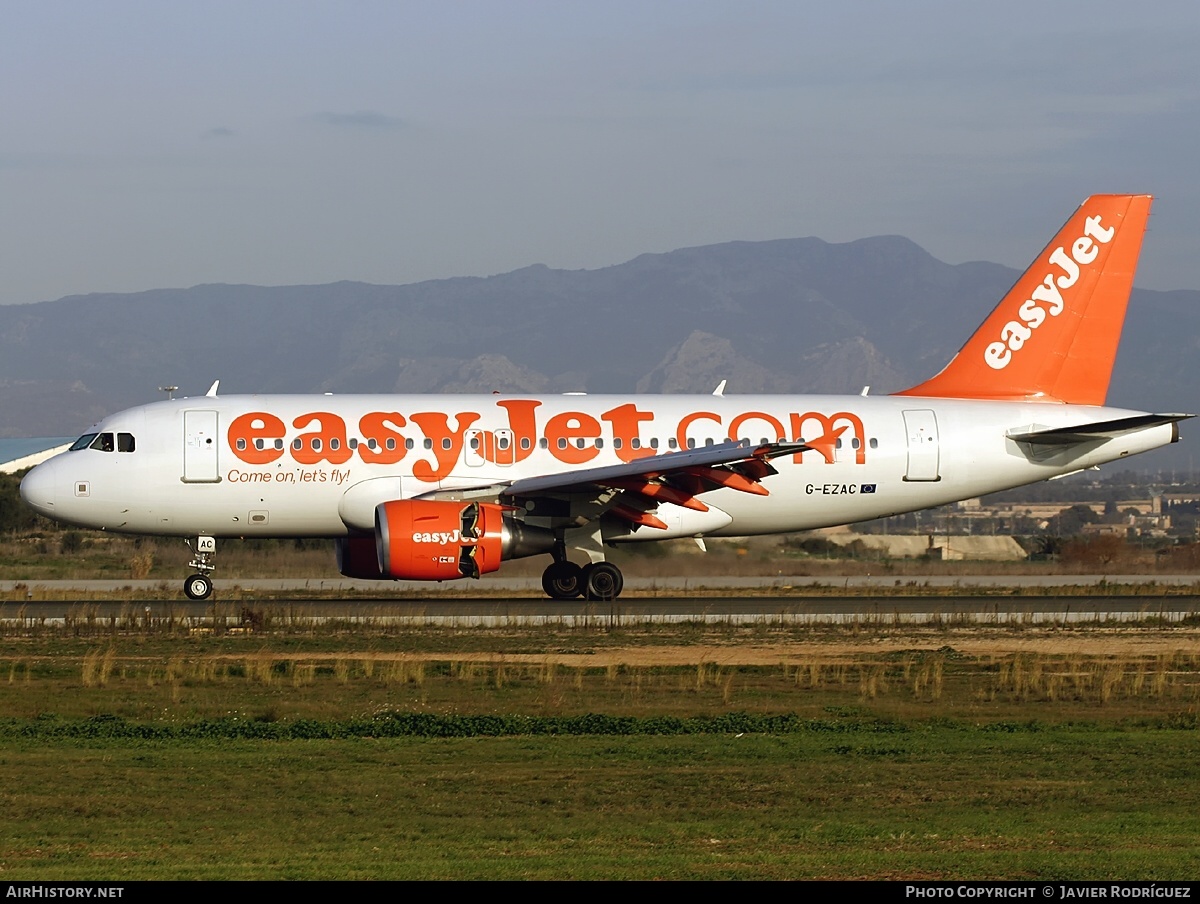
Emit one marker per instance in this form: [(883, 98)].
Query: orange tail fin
[(1054, 335)]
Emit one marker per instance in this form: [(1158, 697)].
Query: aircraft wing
[(1097, 430), (652, 467), (635, 489)]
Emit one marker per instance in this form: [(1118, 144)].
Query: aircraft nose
[(38, 490)]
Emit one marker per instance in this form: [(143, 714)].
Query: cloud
[(362, 119)]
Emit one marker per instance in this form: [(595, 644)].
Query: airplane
[(442, 487)]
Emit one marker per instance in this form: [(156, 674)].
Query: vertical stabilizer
[(1054, 335)]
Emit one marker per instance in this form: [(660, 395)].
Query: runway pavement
[(681, 585), (868, 610)]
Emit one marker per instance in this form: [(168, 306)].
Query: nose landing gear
[(199, 586)]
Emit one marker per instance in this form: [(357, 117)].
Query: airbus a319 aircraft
[(440, 487)]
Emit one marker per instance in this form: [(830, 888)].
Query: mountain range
[(790, 315)]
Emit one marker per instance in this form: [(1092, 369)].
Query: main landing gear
[(564, 580), (200, 586)]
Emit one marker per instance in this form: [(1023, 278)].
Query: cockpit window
[(105, 442)]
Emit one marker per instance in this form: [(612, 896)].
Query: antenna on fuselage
[(169, 390), (212, 390)]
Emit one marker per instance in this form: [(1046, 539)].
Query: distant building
[(938, 546)]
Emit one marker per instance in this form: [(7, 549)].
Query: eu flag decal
[(867, 488)]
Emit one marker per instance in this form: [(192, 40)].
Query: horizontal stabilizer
[(1085, 433)]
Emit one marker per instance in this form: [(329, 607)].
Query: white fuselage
[(317, 465)]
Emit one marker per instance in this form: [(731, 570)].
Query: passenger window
[(428, 443), (335, 444), (691, 443), (654, 442), (525, 442), (446, 444), (125, 442), (408, 443), (391, 443), (502, 442), (673, 443), (635, 443), (279, 445), (874, 443), (543, 444), (240, 445), (297, 444), (855, 443)]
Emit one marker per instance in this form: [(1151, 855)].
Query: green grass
[(131, 755), (932, 802)]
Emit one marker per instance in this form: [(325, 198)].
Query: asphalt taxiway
[(876, 610)]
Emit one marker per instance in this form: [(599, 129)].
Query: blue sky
[(149, 145)]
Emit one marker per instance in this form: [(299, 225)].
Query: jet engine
[(421, 540)]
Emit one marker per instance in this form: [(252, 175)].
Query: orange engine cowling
[(422, 540)]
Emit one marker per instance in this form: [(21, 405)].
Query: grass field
[(285, 753), (932, 801)]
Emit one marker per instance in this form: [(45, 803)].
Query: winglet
[(1054, 335)]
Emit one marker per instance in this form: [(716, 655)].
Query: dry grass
[(910, 679), (1099, 679)]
